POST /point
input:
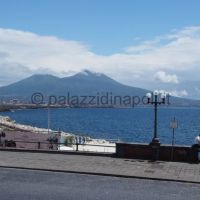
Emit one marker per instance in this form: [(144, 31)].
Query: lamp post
[(173, 125), (155, 98), (48, 117)]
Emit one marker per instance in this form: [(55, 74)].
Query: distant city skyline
[(148, 44)]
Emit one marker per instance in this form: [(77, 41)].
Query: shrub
[(69, 140)]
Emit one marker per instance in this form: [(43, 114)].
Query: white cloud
[(166, 78), (176, 93), (28, 53), (146, 46)]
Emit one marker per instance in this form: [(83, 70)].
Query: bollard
[(76, 146), (38, 145)]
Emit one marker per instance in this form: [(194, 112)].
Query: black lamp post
[(155, 98)]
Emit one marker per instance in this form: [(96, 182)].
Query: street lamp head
[(149, 96), (156, 93), (163, 97)]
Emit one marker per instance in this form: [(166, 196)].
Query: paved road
[(102, 165), (17, 184)]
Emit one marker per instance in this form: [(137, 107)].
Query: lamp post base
[(155, 141), (155, 145)]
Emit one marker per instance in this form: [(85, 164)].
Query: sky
[(150, 44)]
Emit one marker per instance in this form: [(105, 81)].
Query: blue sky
[(153, 44), (106, 26)]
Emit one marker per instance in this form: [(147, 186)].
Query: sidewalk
[(101, 165)]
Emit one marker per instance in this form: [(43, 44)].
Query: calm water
[(134, 125)]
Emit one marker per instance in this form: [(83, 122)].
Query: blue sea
[(129, 125)]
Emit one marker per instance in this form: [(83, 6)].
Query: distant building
[(14, 101)]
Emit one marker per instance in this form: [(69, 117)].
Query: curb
[(101, 174), (84, 153)]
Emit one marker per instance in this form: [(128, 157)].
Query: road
[(17, 184)]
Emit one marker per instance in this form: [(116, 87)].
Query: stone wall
[(160, 152)]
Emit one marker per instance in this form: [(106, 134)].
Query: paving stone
[(105, 165)]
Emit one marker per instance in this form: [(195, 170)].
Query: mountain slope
[(92, 83), (27, 86), (84, 83)]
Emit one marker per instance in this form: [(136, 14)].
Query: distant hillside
[(83, 83), (27, 86)]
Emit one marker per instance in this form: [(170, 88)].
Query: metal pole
[(59, 138), (173, 131), (38, 145), (172, 153), (155, 116), (48, 118), (77, 146)]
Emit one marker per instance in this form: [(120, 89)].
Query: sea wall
[(160, 152)]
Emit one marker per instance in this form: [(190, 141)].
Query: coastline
[(90, 144), (12, 107)]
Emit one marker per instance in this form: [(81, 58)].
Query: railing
[(59, 146)]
